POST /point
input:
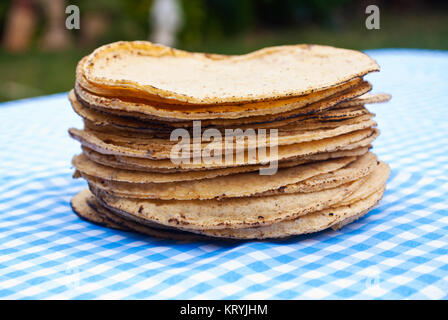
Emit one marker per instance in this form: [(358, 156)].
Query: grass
[(38, 73)]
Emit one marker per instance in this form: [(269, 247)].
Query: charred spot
[(331, 214), (140, 209)]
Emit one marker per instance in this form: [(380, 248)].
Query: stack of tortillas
[(264, 145)]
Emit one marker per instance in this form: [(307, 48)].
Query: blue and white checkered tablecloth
[(399, 250)]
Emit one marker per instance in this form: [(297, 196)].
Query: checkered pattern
[(399, 250)]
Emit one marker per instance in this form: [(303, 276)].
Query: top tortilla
[(164, 74)]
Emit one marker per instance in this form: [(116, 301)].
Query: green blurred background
[(38, 54)]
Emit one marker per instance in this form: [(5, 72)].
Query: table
[(399, 250)]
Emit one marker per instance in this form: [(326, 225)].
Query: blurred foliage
[(37, 73), (218, 19), (4, 6), (214, 20), (128, 20), (229, 27)]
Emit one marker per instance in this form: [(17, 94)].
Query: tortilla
[(368, 98), (363, 166), (233, 212), (145, 176), (86, 207), (334, 218), (195, 78), (346, 141), (357, 205), (160, 148), (86, 166), (193, 172), (81, 208), (108, 122), (238, 185), (313, 123), (150, 110), (121, 108)]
